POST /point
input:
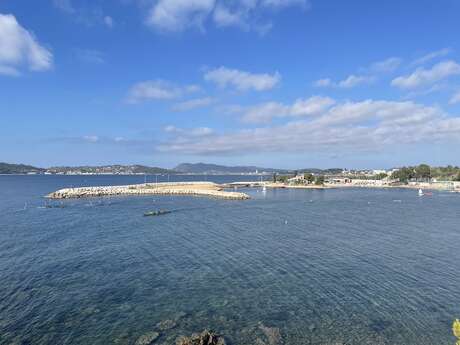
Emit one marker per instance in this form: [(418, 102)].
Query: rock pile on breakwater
[(208, 189)]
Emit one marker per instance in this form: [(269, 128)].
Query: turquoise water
[(344, 266)]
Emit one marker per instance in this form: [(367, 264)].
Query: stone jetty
[(207, 189)]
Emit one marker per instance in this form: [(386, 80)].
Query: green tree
[(274, 178), (309, 177), (404, 174), (381, 176), (282, 178), (319, 180), (423, 171)]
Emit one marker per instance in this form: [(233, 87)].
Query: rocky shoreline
[(207, 189)]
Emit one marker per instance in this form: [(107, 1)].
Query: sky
[(273, 83)]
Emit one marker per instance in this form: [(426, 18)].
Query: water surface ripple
[(344, 266)]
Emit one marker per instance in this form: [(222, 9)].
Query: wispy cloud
[(242, 80), (388, 65), (85, 13), (109, 22), (20, 49), (423, 77), (266, 112), (91, 138), (157, 90), (90, 56), (367, 125), (193, 104), (180, 15), (367, 75), (431, 56), (347, 83), (64, 5), (455, 99), (188, 132)]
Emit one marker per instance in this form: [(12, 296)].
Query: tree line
[(425, 173)]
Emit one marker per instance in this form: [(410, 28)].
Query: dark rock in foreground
[(204, 338)]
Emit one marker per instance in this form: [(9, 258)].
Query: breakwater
[(207, 189)]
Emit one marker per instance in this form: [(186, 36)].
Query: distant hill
[(185, 168), (110, 169), (7, 168), (331, 171), (203, 168)]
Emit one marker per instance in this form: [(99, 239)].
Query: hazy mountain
[(6, 168)]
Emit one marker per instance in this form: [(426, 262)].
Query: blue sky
[(279, 83)]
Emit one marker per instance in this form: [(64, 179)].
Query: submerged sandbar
[(208, 189)]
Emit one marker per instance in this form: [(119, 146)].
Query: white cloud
[(223, 16), (19, 48), (367, 125), (430, 56), (189, 132), (179, 15), (108, 21), (157, 90), (264, 113), (423, 77), (455, 98), (350, 82), (388, 65), (242, 80), (354, 80), (91, 138), (368, 74), (311, 106), (193, 104)]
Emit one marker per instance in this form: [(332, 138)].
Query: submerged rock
[(147, 338), (166, 325), (272, 335), (204, 338)]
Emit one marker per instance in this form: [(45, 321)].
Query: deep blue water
[(343, 266)]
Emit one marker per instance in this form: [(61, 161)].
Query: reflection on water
[(296, 267)]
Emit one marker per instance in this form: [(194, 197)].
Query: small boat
[(264, 188), (422, 193), (156, 213)]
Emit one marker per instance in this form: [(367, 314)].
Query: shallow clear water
[(344, 266)]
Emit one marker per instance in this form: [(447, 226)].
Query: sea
[(346, 266)]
